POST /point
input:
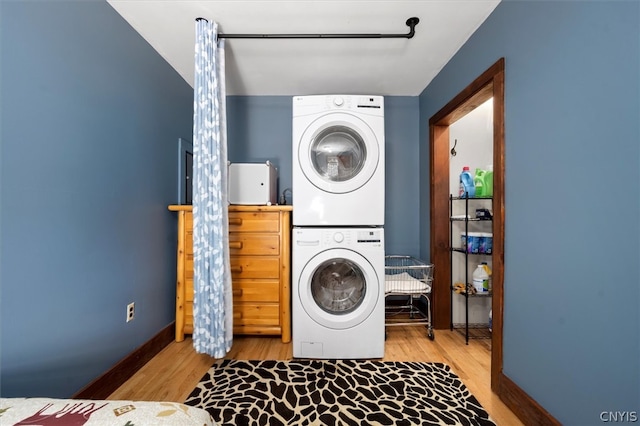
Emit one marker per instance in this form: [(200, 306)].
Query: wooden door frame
[(489, 84)]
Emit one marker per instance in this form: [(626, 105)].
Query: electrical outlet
[(131, 308)]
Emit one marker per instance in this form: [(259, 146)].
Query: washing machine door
[(339, 289), (338, 153)]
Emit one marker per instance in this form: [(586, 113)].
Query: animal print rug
[(336, 392)]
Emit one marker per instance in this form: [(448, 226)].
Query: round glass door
[(338, 153), (338, 286), (339, 289)]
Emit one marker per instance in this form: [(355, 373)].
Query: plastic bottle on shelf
[(480, 183), (489, 273), (481, 278), (490, 320), (488, 181), (467, 188)]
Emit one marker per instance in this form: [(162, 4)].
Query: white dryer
[(338, 293), (338, 160)]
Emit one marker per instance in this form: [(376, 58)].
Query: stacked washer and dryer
[(338, 227)]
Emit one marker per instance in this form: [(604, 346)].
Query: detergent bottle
[(467, 188), (489, 281), (480, 183), (481, 278), (488, 181)]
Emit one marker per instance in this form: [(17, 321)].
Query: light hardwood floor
[(174, 372)]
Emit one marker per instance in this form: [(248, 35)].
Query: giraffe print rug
[(336, 392)]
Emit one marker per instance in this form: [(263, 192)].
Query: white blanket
[(405, 283), (43, 411)]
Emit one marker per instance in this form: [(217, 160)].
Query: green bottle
[(478, 181), (483, 181), (488, 182)]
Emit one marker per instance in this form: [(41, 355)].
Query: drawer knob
[(237, 269), (237, 292), (235, 244), (237, 221)]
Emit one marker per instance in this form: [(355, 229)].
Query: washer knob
[(338, 101), (338, 237)]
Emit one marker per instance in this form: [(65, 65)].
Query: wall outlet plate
[(131, 308)]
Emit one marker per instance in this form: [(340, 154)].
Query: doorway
[(471, 147), (489, 84)]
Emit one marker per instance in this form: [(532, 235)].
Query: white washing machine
[(338, 160), (338, 293)]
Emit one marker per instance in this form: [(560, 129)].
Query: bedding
[(84, 412)]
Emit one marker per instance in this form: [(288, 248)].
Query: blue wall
[(91, 116), (259, 129), (572, 201)]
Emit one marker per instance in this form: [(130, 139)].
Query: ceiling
[(259, 67)]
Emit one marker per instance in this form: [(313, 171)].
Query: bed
[(84, 412)]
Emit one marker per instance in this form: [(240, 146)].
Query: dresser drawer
[(256, 291), (188, 236), (256, 314), (254, 222), (188, 289), (188, 317), (243, 243), (255, 267)]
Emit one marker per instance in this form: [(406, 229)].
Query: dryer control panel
[(366, 104)]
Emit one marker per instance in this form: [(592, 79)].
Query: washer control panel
[(338, 237), (370, 236), (351, 237), (333, 237)]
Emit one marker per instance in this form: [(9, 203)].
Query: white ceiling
[(256, 67)]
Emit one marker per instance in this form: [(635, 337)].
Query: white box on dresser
[(253, 183)]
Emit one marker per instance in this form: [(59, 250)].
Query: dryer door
[(338, 153), (339, 288)]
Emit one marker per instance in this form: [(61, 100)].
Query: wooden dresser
[(260, 249)]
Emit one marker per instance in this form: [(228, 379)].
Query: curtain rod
[(411, 23)]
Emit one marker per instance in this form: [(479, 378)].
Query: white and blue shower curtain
[(212, 306)]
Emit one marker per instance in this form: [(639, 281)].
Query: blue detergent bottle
[(467, 188)]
